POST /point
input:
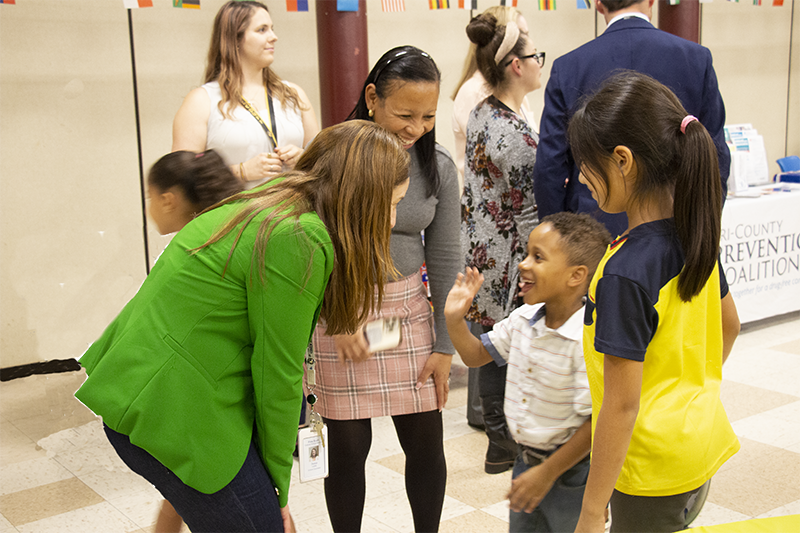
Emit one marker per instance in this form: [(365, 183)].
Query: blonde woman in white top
[(238, 83), (472, 88)]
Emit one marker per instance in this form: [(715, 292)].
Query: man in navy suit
[(629, 42)]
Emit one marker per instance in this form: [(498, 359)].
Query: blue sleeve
[(713, 118), (626, 318), (723, 281), (553, 158)]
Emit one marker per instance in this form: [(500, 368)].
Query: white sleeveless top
[(241, 137)]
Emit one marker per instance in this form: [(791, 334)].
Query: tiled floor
[(60, 474)]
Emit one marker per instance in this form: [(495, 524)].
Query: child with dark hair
[(547, 400), (183, 184), (660, 321)]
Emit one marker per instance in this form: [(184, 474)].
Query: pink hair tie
[(201, 154), (685, 122)]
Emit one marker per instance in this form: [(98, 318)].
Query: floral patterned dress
[(498, 210)]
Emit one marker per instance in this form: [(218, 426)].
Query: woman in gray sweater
[(409, 382)]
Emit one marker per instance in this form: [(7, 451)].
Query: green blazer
[(195, 358)]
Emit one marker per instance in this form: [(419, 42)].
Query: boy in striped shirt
[(547, 402)]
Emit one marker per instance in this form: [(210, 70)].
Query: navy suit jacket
[(635, 44)]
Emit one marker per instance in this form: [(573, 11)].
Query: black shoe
[(498, 459), (502, 449)]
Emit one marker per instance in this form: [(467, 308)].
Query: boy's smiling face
[(545, 272)]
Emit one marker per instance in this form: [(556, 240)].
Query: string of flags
[(399, 5)]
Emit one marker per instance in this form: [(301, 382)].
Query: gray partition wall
[(72, 231)]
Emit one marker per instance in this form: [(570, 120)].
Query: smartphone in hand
[(383, 334)]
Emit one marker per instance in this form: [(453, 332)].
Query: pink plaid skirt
[(383, 384)]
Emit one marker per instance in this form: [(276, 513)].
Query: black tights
[(421, 437)]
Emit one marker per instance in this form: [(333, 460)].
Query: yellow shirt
[(682, 434)]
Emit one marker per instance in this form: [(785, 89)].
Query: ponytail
[(203, 178), (674, 156), (697, 208)]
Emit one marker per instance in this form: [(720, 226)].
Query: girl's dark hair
[(487, 35), (203, 178), (405, 64), (636, 111)]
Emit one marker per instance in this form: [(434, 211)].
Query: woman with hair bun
[(498, 208), (472, 88)]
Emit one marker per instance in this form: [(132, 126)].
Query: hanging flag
[(546, 5), (584, 4), (296, 5), (674, 2), (133, 4), (439, 4), (346, 5), (777, 2), (462, 4), (8, 2), (504, 2), (186, 4), (756, 2), (393, 5)]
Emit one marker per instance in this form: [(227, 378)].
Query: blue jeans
[(560, 508), (248, 503)]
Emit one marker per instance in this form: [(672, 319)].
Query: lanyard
[(270, 131)]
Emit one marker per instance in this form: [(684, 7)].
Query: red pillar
[(682, 20), (343, 59)]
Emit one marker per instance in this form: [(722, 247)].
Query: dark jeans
[(560, 508), (247, 504)]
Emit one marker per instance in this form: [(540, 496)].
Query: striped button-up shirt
[(547, 392)]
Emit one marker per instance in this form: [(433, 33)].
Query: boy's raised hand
[(463, 292)]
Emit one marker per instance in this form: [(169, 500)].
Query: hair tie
[(685, 122), (509, 41), (201, 154)]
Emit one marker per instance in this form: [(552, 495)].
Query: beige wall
[(71, 225)]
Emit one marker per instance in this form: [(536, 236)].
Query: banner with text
[(760, 253)]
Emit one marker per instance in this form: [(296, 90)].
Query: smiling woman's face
[(258, 42), (408, 111)]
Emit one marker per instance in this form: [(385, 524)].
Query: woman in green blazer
[(198, 379)]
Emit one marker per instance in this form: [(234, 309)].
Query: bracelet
[(242, 175)]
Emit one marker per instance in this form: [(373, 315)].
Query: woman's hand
[(288, 522), (262, 166), (289, 155), (528, 489), (353, 347), (438, 365), (462, 294)]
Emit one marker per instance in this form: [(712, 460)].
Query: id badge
[(383, 334), (312, 454)]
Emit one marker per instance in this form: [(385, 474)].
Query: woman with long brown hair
[(199, 379), (259, 123)]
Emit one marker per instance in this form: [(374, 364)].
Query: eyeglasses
[(538, 56)]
